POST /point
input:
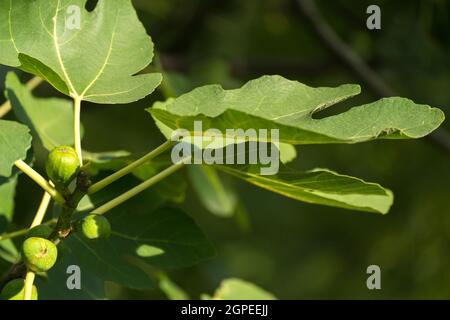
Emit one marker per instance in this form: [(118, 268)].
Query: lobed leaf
[(96, 61), (273, 102)]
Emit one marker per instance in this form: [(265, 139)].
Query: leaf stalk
[(40, 180), (126, 170), (29, 279), (40, 214), (77, 127), (138, 189)]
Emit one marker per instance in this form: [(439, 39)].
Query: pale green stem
[(29, 279), (33, 83), (6, 106), (40, 214), (38, 218), (138, 189), (40, 180), (77, 127), (21, 232), (14, 234), (119, 174)]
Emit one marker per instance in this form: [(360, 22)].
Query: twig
[(22, 232), (28, 288), (355, 63)]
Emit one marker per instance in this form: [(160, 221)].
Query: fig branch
[(21, 232), (83, 187), (63, 165), (28, 288), (64, 223), (39, 254)]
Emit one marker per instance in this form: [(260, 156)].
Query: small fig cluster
[(39, 253)]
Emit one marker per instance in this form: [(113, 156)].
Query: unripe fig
[(62, 165), (94, 226), (14, 290), (39, 254), (40, 231)]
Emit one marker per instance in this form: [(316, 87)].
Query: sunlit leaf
[(273, 102), (319, 186), (96, 61)]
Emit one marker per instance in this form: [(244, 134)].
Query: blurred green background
[(296, 250)]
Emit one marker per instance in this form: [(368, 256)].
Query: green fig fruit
[(94, 226), (14, 290), (40, 231), (62, 165), (39, 254)]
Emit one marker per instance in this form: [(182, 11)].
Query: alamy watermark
[(374, 280), (73, 281), (374, 20), (73, 17), (234, 146)]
